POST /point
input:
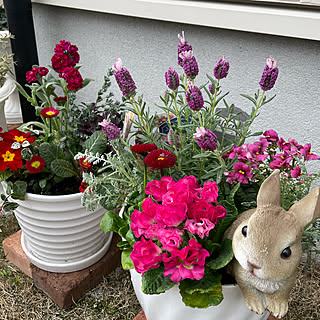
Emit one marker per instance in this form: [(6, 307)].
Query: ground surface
[(113, 298)]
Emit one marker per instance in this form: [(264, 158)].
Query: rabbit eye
[(245, 231), (286, 253)]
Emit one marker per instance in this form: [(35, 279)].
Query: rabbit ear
[(270, 192), (308, 208)]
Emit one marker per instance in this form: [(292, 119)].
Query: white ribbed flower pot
[(169, 305), (59, 234)]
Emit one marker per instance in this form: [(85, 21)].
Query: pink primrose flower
[(271, 135), (231, 154), (262, 144), (201, 228), (186, 263), (283, 145), (157, 188), (210, 191), (145, 255), (171, 215), (143, 220), (185, 190), (170, 238)]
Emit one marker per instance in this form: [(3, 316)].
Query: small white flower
[(16, 145), (25, 144)]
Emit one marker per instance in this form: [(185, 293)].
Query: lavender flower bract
[(221, 69), (269, 75), (182, 46), (194, 97), (206, 139), (172, 79), (189, 64), (124, 79), (110, 129)]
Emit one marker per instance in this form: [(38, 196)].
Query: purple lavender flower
[(269, 75), (110, 129), (172, 79), (206, 139), (221, 69), (182, 46), (194, 97), (189, 64), (124, 79)]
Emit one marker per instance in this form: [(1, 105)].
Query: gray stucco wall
[(148, 48)]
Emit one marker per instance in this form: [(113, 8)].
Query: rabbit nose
[(252, 265)]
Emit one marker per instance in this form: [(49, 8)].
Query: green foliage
[(63, 168), (202, 293), (154, 282), (126, 261), (50, 152), (112, 222), (19, 190), (4, 175), (224, 256), (96, 143)]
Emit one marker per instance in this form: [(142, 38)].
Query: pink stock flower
[(170, 238), (187, 263), (210, 191), (157, 188), (143, 220), (60, 61), (73, 78), (43, 71), (145, 255), (171, 215), (201, 228), (31, 76)]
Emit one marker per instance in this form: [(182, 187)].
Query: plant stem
[(178, 117), (243, 136)]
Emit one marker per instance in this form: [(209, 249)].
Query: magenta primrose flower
[(242, 172), (221, 69), (308, 155), (269, 75), (146, 255), (271, 135), (162, 227), (296, 172), (186, 263), (124, 79)]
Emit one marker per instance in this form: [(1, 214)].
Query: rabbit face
[(268, 244)]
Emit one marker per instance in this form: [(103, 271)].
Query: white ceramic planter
[(169, 305), (59, 234)]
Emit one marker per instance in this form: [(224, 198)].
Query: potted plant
[(40, 174), (183, 176)]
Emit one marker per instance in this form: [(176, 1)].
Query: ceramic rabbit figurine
[(267, 246)]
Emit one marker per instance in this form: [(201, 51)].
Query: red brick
[(14, 253), (65, 288), (141, 316)]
